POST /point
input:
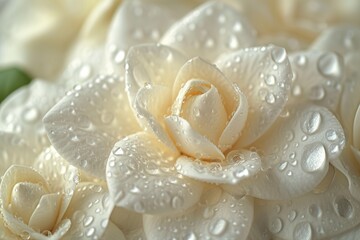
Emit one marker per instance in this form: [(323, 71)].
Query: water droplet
[(31, 114), (276, 225), (311, 123), (270, 98), (118, 151), (282, 166), (270, 80), (177, 202), (278, 54), (209, 43), (317, 93), (329, 65), (343, 207), (218, 227), (315, 211), (190, 236), (88, 220), (233, 42), (85, 71), (119, 56), (296, 91), (301, 60), (302, 231), (292, 215), (90, 232), (314, 157), (331, 135)]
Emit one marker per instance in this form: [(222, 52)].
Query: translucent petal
[(86, 123), (316, 215), (151, 64), (49, 26), (89, 211), (22, 112), (126, 220), (296, 152), (318, 78), (14, 150), (263, 74), (239, 166), (141, 177), (113, 232), (218, 215), (340, 39), (190, 142), (151, 105), (209, 31)]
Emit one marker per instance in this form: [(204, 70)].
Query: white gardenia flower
[(209, 132), (43, 197)]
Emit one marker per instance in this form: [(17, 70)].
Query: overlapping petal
[(86, 123), (218, 215), (263, 74), (297, 147), (209, 31), (141, 177)]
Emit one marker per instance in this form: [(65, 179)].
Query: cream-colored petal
[(151, 106), (209, 31), (113, 232), (218, 215), (316, 215), (235, 125), (128, 29), (199, 69), (151, 64), (356, 129), (190, 142), (45, 214), (126, 220), (39, 37), (342, 39), (296, 153), (201, 105), (318, 78), (141, 177), (239, 166), (23, 110), (62, 177), (89, 211), (85, 124), (263, 74), (14, 150)]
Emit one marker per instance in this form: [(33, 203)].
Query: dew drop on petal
[(301, 60), (31, 114), (311, 123), (270, 80), (343, 207), (317, 93), (314, 157), (331, 135), (329, 66), (276, 225), (218, 227), (315, 211), (302, 231), (190, 236), (292, 215), (278, 55)]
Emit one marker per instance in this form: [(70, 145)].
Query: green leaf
[(11, 79)]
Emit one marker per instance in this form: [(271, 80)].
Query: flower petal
[(22, 112), (86, 123), (126, 220), (44, 32), (62, 176), (312, 216), (190, 142), (217, 216), (263, 74), (231, 172), (10, 144), (46, 212), (113, 232), (296, 153), (199, 69), (89, 211), (128, 28), (151, 105), (141, 177), (340, 39), (150, 63), (209, 31), (318, 77)]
